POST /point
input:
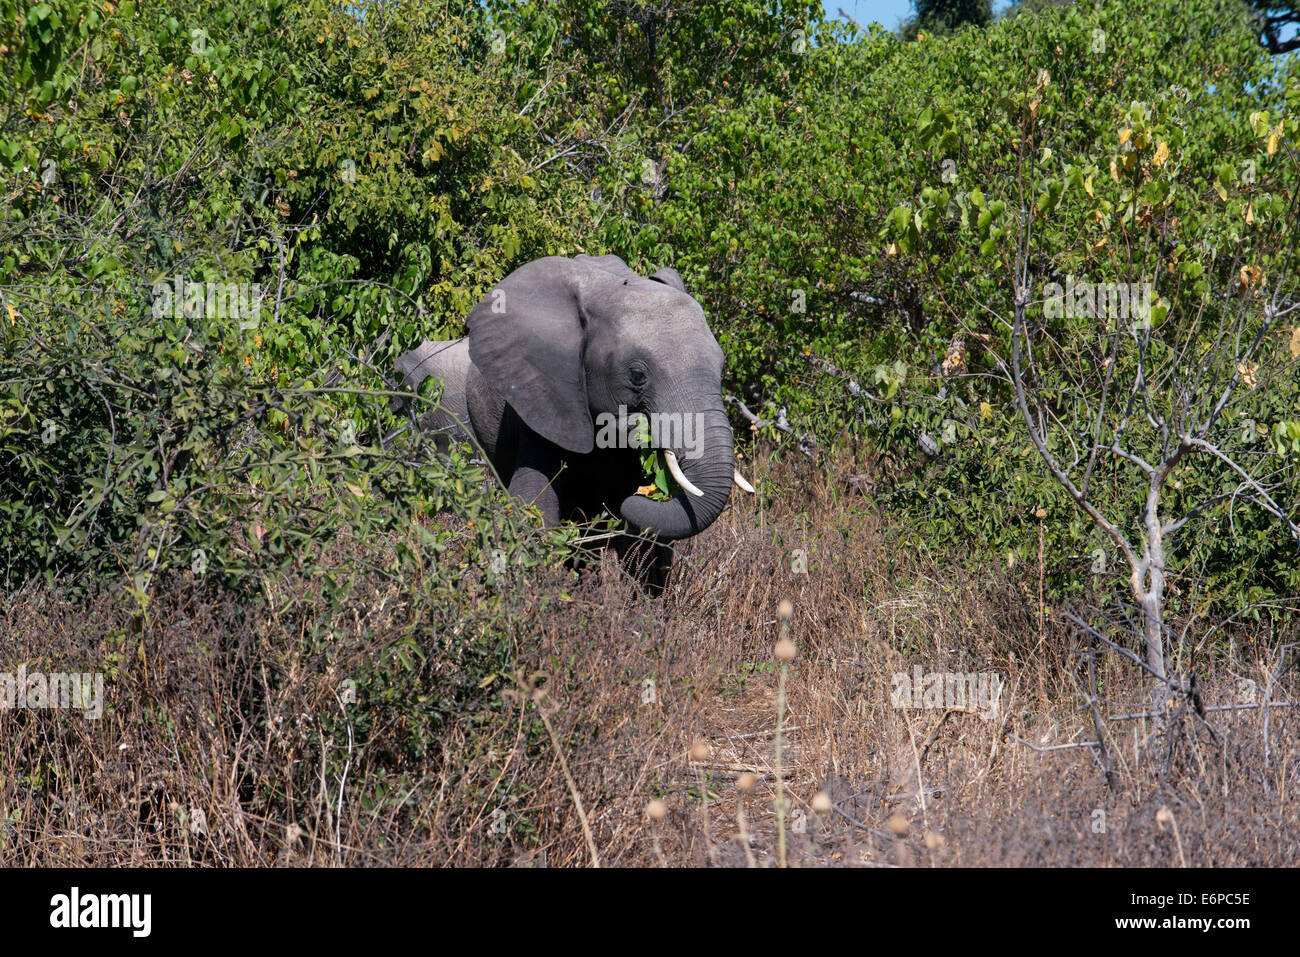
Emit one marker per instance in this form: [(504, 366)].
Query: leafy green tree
[(1277, 21), (845, 235), (1274, 19), (357, 181), (938, 17), (1022, 7)]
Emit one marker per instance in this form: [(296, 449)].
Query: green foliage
[(145, 432), (939, 17), (862, 217), (846, 206)]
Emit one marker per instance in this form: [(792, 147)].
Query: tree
[(1163, 374), (946, 16), (1022, 7), (1273, 17), (1119, 246)]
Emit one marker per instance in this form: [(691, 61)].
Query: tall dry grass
[(229, 741)]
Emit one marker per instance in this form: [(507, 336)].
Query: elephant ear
[(527, 338), (670, 277)]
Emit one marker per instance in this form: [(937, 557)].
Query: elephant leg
[(647, 561), (533, 481)]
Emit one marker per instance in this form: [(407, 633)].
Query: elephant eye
[(638, 377)]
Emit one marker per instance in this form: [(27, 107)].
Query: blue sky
[(888, 13)]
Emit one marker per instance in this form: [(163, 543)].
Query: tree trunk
[(1149, 590)]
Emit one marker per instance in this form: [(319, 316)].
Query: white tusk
[(742, 482), (677, 473)]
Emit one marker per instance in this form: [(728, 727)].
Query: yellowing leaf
[(1294, 346), (955, 360), (1124, 136), (1248, 370), (1162, 154)]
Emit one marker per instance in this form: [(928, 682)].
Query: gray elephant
[(560, 357)]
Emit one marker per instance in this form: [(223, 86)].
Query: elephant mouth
[(699, 469), (736, 477), (658, 490)]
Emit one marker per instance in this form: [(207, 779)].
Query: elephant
[(560, 358)]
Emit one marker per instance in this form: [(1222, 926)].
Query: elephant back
[(447, 361)]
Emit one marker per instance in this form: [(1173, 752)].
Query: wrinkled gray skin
[(555, 344)]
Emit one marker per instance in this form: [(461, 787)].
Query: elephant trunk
[(710, 471)]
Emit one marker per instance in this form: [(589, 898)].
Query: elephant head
[(570, 343)]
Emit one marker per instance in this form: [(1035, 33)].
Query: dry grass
[(228, 742)]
